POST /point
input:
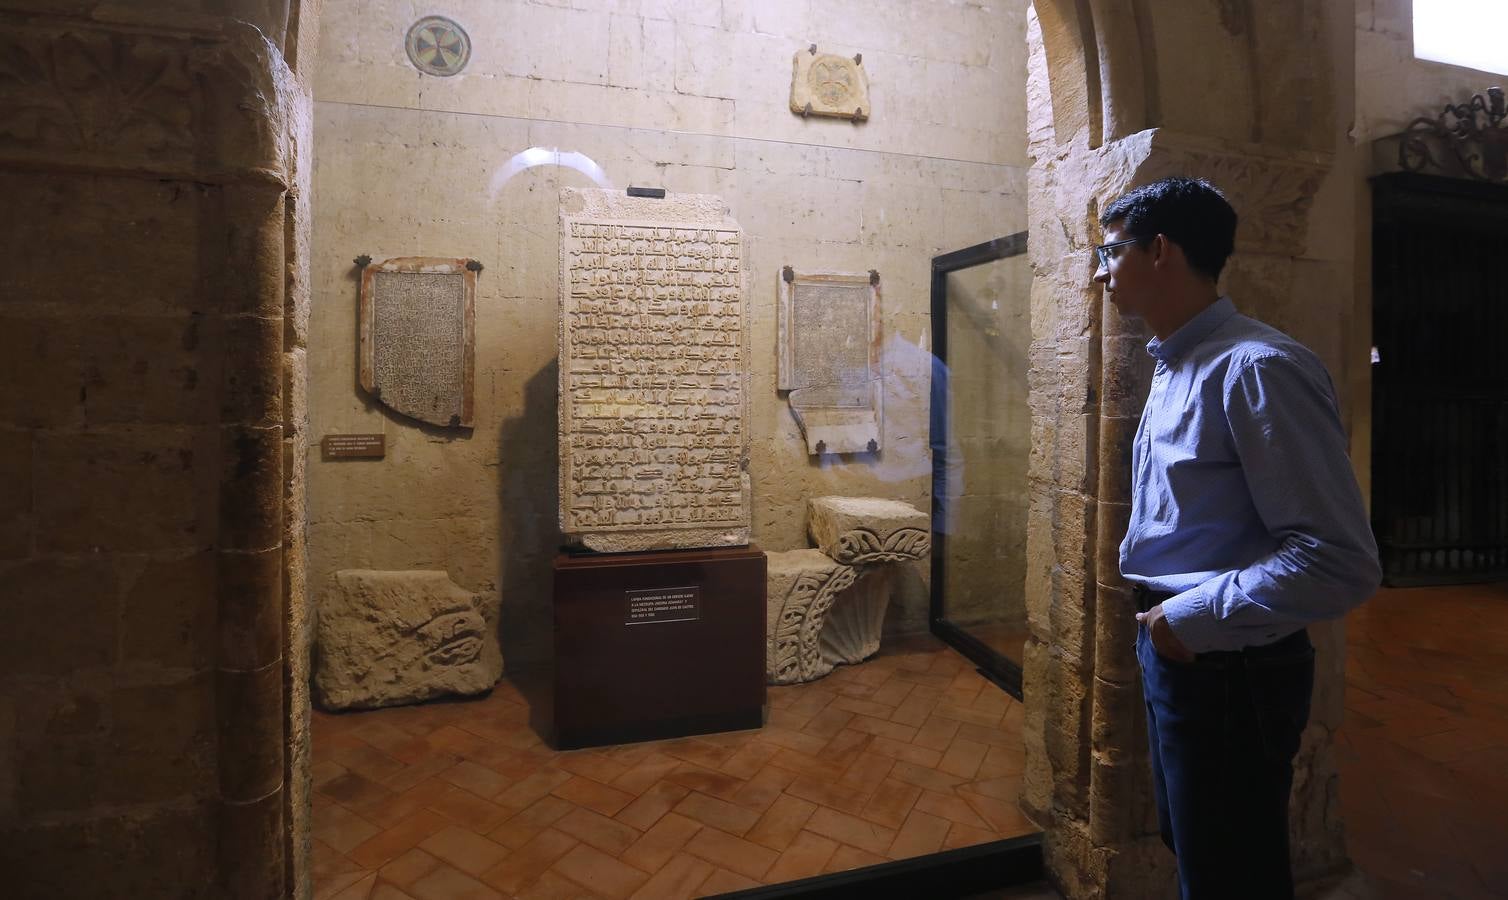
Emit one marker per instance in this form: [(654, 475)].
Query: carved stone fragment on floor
[(801, 588), (388, 638), (827, 605), (855, 530), (852, 631)]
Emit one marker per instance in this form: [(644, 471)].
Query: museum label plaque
[(418, 337), (354, 446), (653, 373), (680, 604)]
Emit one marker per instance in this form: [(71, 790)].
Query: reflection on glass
[(987, 446), (539, 156)]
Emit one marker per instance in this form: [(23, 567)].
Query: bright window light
[(1470, 33)]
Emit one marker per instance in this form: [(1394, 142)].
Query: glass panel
[(988, 338)]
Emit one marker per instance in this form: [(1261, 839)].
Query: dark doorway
[(1440, 379)]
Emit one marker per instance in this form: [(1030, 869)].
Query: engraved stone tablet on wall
[(654, 371), (825, 84), (417, 337), (828, 343)]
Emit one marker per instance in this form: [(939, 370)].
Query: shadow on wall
[(529, 532)]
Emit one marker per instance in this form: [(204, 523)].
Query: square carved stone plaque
[(828, 341), (418, 337), (825, 84), (654, 369)]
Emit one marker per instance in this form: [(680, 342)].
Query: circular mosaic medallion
[(438, 46)]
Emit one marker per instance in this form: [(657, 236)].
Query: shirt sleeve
[(1292, 448)]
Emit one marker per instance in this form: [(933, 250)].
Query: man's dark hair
[(1191, 212)]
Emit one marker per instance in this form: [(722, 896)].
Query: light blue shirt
[(1244, 505)]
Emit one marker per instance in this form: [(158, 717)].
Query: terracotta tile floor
[(907, 754), (1424, 751), (460, 800)]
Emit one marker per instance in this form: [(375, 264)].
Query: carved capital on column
[(1271, 188), (202, 105)]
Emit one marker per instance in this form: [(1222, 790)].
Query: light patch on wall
[(539, 156), (1466, 33)]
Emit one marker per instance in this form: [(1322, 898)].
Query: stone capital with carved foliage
[(197, 102)]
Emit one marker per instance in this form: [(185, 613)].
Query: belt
[(1146, 598)]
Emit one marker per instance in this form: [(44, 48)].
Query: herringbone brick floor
[(909, 753), (1423, 755)]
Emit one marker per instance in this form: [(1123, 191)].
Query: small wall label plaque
[(678, 604), (353, 446)]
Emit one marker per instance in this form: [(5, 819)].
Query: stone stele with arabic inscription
[(654, 373)]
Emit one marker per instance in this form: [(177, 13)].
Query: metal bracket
[(362, 261), (473, 265), (788, 274), (813, 49), (874, 277)]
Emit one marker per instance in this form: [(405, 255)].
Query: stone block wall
[(147, 544), (687, 96)]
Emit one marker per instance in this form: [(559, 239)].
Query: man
[(1246, 525)]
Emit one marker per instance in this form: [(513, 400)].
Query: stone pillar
[(152, 155), (1266, 141)]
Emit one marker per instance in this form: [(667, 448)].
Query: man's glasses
[(1107, 252)]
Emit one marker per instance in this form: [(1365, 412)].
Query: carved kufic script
[(831, 331), (417, 337), (653, 370), (655, 338)]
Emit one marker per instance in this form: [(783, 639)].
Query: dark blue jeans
[(1223, 732)]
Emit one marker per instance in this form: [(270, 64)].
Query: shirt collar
[(1193, 331)]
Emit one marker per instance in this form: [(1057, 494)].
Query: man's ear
[(1161, 250)]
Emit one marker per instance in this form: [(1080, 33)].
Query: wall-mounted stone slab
[(825, 84), (829, 358), (418, 334), (802, 585), (388, 638), (863, 530), (654, 370)]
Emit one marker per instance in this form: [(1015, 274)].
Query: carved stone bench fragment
[(388, 638), (827, 606), (802, 587), (856, 530)]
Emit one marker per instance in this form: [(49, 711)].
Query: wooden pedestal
[(656, 645)]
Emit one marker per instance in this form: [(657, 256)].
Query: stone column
[(1265, 141), (152, 156)]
